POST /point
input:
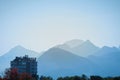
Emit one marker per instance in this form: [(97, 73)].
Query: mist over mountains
[(79, 47), (58, 62), (74, 57)]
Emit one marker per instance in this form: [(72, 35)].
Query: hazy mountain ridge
[(108, 59), (61, 61), (83, 48)]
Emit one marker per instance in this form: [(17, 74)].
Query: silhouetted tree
[(59, 78), (11, 74), (25, 76), (70, 78), (77, 78), (116, 78), (45, 78), (96, 78), (84, 77), (35, 77)]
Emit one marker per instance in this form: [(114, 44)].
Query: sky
[(41, 24)]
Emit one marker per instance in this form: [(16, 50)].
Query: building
[(25, 65)]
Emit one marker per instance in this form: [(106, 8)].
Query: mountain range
[(74, 57), (108, 59), (58, 62), (79, 47)]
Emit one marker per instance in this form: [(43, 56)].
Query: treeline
[(84, 77), (12, 74)]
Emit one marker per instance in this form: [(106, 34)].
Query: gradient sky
[(40, 24)]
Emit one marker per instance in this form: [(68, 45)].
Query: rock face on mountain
[(58, 62), (81, 48), (16, 51)]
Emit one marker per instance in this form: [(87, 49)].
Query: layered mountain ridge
[(62, 62), (82, 48), (74, 57)]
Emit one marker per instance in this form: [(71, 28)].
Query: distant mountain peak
[(88, 42), (79, 47), (18, 47), (105, 47), (21, 51), (74, 42), (110, 48)]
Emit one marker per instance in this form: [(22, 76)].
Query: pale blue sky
[(40, 24)]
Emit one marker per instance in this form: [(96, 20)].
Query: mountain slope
[(108, 59), (69, 45), (86, 48), (16, 51), (57, 62), (73, 43), (81, 48)]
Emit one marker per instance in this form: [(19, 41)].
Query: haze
[(40, 24)]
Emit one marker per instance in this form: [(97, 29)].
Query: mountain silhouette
[(58, 62), (16, 51), (83, 48), (74, 57), (73, 43), (69, 45), (108, 59)]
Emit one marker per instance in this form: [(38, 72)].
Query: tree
[(77, 78), (1, 79), (84, 77), (35, 77), (96, 78), (25, 76), (11, 74), (59, 78), (116, 78), (46, 78)]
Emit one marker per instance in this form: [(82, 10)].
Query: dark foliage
[(12, 74), (84, 77), (45, 78)]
